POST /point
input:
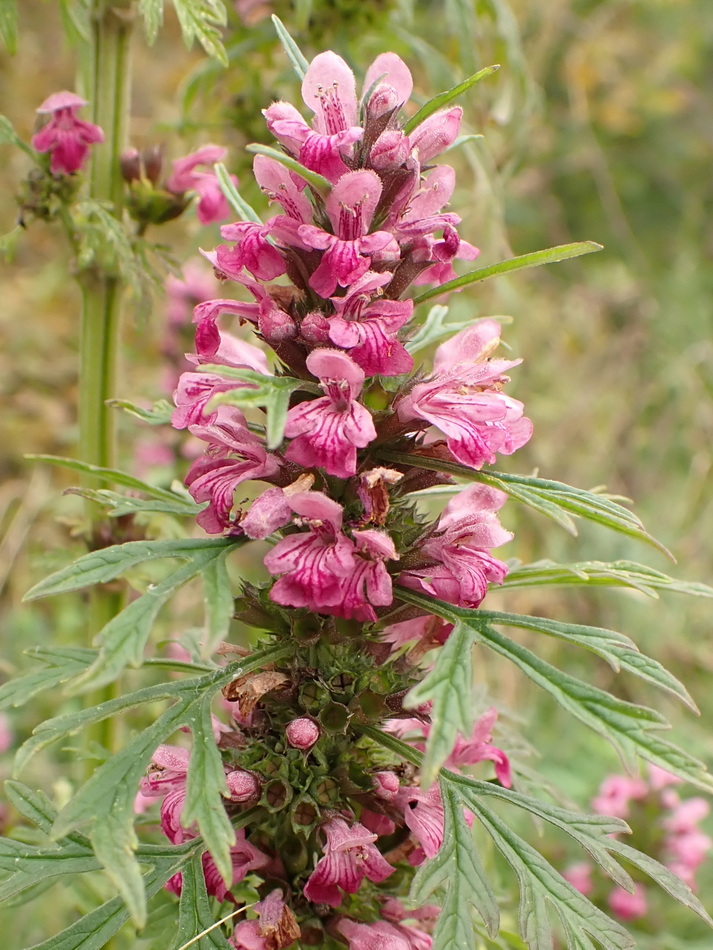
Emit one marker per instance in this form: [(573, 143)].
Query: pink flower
[(369, 583), (378, 936), (326, 432), (168, 771), (436, 133), (252, 251), (347, 253), (462, 567), (615, 793), (580, 876), (302, 733), (478, 748), (65, 136), (628, 906), (270, 511), (367, 327), (349, 856), (278, 184), (424, 816), (321, 152), (315, 564), (244, 856), (464, 401), (234, 455), (275, 929), (212, 205), (395, 913)]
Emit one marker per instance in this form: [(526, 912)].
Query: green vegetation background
[(598, 126)]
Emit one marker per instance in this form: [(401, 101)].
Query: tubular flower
[(349, 856), (66, 137), (212, 204)]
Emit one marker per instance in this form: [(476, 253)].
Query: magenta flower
[(327, 431), (322, 153), (463, 398), (349, 856), (615, 793), (478, 748), (315, 565), (252, 251), (65, 136), (629, 906), (367, 327), (348, 252), (212, 205), (244, 856), (424, 816), (234, 455), (369, 583), (461, 566), (580, 876)]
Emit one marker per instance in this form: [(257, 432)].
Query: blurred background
[(598, 126)]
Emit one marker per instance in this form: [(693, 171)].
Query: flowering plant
[(348, 767)]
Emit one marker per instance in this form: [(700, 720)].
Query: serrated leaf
[(442, 100), (8, 25), (158, 415), (626, 725), (320, 184), (106, 564), (236, 201), (218, 602), (123, 640), (152, 12), (30, 865), (94, 930), (111, 475), (62, 663), (600, 574), (294, 53), (119, 505), (194, 913), (449, 685), (556, 500), (619, 651), (434, 328), (458, 868), (204, 788), (550, 255), (202, 20), (269, 392)]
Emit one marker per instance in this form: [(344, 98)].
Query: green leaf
[(236, 201), (599, 574), (120, 505), (320, 184), (202, 20), (75, 21), (438, 102), (95, 930), (294, 53), (619, 651), (158, 415), (9, 241), (218, 602), (152, 12), (270, 392), (553, 499), (548, 256), (123, 640), (30, 865), (111, 475), (434, 328), (626, 725), (61, 665), (106, 564), (194, 913), (204, 788), (8, 25), (458, 868), (449, 686)]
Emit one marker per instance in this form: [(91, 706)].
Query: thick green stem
[(107, 82)]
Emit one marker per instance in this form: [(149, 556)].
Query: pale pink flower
[(378, 936), (270, 511), (167, 772), (212, 204), (628, 906), (395, 913), (615, 793), (580, 876), (464, 401), (436, 133), (278, 184), (349, 856), (326, 432), (348, 252), (65, 136), (461, 566), (429, 628), (252, 251), (316, 563)]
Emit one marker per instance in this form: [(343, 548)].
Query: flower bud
[(315, 328), (153, 162), (302, 733), (275, 325), (130, 164), (242, 786), (386, 785)]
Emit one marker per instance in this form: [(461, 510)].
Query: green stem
[(107, 82)]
